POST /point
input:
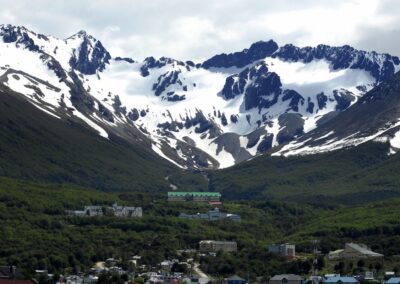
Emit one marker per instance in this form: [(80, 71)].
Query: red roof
[(15, 281)]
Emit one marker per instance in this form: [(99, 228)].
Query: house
[(235, 280), (126, 211), (286, 250), (10, 272), (212, 215), (92, 210), (73, 279), (218, 215), (167, 265), (214, 246), (354, 251), (194, 196), (286, 279), (389, 274), (15, 281), (340, 280), (393, 280), (191, 280), (90, 279), (116, 210), (78, 213), (368, 276)]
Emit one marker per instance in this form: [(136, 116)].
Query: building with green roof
[(194, 196)]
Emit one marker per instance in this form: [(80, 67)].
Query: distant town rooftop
[(289, 277), (393, 280), (363, 249), (196, 193), (217, 242)]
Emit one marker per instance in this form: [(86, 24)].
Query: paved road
[(198, 271)]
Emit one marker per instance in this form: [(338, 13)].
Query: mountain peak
[(381, 66), (21, 36), (90, 56), (13, 27), (82, 34), (257, 51)]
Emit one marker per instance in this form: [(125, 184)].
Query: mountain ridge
[(214, 114)]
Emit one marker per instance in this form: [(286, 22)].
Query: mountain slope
[(210, 115), (38, 146), (337, 172), (347, 176), (376, 116)]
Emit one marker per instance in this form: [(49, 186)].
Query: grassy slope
[(376, 224), (357, 175), (36, 146)]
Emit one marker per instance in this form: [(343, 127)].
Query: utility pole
[(315, 262)]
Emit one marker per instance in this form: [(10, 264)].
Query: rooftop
[(217, 242), (344, 279), (236, 278), (287, 277), (198, 193), (362, 249), (15, 281)]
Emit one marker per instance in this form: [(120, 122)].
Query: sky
[(198, 29)]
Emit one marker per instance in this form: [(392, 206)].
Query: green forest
[(37, 234)]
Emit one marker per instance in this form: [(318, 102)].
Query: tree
[(139, 280), (340, 267), (361, 263), (378, 266)]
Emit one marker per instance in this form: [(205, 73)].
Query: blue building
[(235, 280), (393, 280), (340, 280)]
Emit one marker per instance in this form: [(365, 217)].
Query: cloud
[(198, 29)]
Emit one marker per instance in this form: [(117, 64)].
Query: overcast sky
[(198, 29)]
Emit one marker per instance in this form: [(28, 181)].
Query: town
[(352, 264), (187, 270)]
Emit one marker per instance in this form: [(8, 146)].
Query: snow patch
[(93, 125), (156, 149)]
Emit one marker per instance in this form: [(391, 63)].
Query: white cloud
[(198, 29)]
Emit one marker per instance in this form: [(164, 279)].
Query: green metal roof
[(198, 193)]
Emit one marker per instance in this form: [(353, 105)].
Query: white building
[(116, 210), (215, 246), (212, 215), (89, 210), (286, 250), (354, 251), (126, 211)]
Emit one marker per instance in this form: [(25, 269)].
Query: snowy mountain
[(214, 114), (374, 117)]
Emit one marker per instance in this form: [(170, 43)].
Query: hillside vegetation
[(349, 176), (37, 234)]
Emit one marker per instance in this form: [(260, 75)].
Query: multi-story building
[(127, 211), (116, 210), (215, 246), (212, 215), (194, 196), (286, 250)]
